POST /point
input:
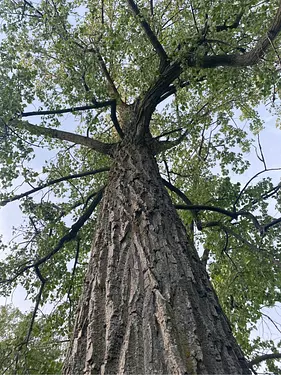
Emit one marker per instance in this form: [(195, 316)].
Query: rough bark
[(148, 306)]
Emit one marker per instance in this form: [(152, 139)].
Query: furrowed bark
[(148, 306)]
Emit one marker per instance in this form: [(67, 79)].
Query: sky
[(270, 139)]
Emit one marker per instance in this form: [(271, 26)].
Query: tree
[(153, 88)]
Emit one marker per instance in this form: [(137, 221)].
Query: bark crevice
[(148, 306)]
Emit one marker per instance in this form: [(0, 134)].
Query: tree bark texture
[(148, 306)]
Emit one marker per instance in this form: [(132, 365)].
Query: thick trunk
[(148, 306)]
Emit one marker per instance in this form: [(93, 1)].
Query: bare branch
[(150, 35), (273, 322), (178, 192), (186, 200), (53, 182), (112, 104), (194, 18), (262, 155), (233, 215), (28, 3), (103, 148), (168, 133)]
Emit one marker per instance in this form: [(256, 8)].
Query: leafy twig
[(66, 238), (53, 182)]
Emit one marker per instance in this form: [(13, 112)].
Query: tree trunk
[(148, 306)]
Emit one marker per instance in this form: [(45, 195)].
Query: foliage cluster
[(59, 56)]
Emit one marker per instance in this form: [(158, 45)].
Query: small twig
[(272, 321), (194, 19), (169, 132), (262, 155)]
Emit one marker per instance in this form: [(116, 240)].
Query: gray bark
[(148, 306)]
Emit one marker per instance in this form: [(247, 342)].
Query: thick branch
[(241, 60), (162, 87), (264, 357), (103, 148), (96, 105), (178, 192), (150, 34), (115, 120), (53, 182)]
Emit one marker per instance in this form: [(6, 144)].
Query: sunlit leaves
[(57, 54), (16, 357)]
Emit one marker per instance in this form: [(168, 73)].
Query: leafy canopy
[(80, 62)]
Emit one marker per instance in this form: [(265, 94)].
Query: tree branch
[(273, 222), (38, 299), (52, 182), (234, 25), (198, 207), (264, 357), (96, 105), (115, 120), (162, 89), (66, 238), (230, 231), (105, 71), (178, 192), (251, 179), (240, 60), (72, 280), (150, 35), (186, 200), (103, 148)]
